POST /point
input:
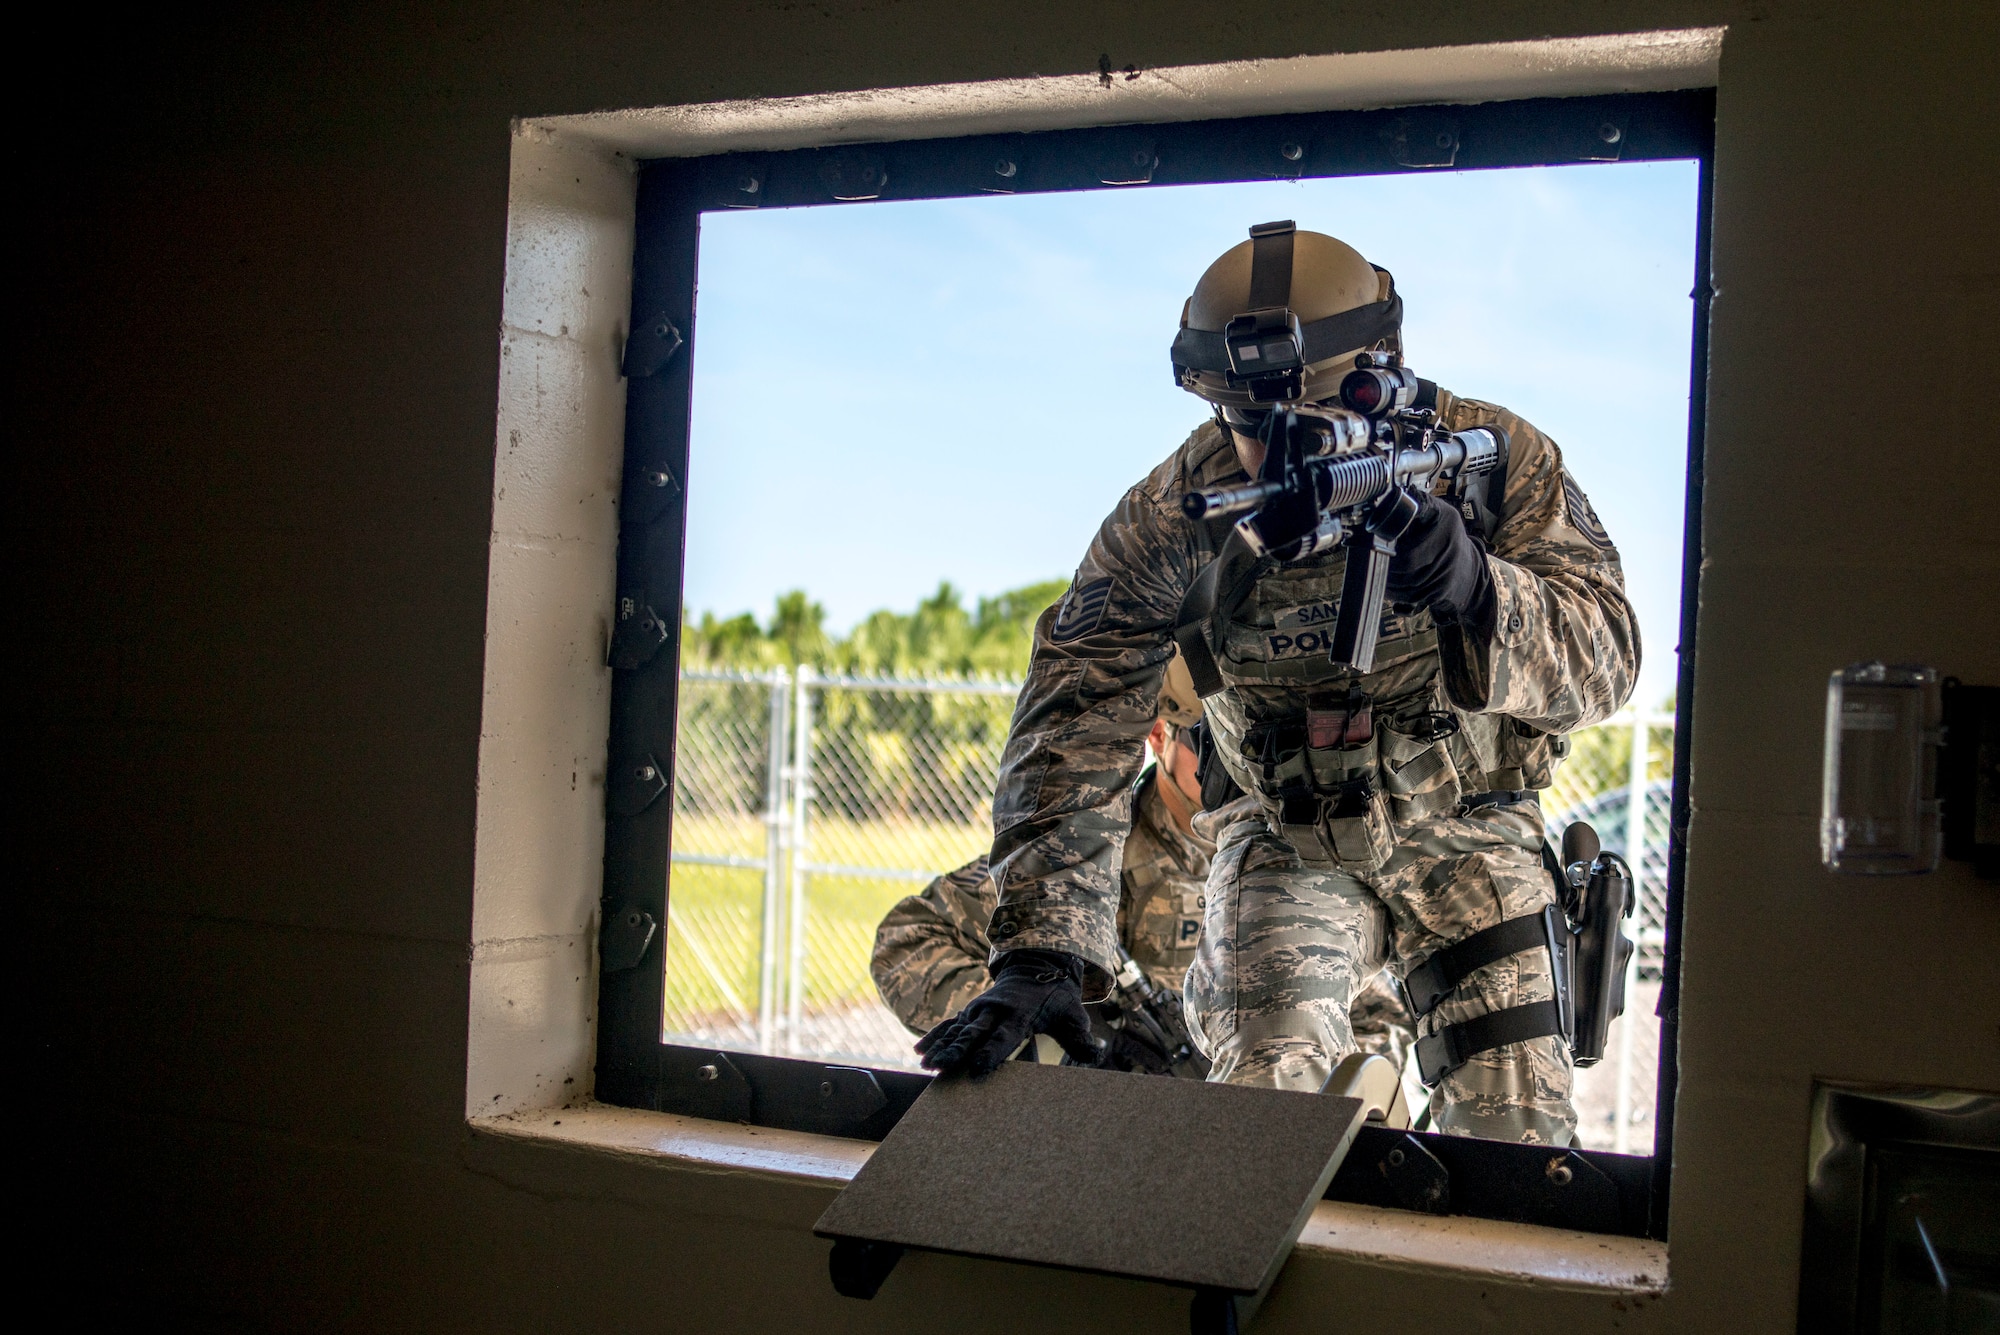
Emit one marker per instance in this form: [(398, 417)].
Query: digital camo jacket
[(1564, 654), (931, 950)]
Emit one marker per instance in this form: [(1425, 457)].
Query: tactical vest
[(1160, 911), (1344, 763)]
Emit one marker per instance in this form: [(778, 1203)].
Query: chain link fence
[(1619, 778), (805, 806)]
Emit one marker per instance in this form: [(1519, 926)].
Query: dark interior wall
[(260, 265)]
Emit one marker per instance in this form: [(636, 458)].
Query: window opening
[(907, 421)]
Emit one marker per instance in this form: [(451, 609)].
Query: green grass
[(712, 940), (714, 912)]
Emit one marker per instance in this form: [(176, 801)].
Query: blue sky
[(890, 395)]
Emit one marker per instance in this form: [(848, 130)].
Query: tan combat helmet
[(1280, 318)]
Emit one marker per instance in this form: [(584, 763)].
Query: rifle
[(1359, 467), (1154, 1015)]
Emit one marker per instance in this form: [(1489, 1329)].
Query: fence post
[(802, 725), (1635, 799), (775, 816), (1635, 854)]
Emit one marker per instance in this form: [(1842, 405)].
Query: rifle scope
[(1377, 391)]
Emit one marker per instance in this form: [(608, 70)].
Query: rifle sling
[(1214, 596)]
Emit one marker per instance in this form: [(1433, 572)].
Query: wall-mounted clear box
[(1878, 803)]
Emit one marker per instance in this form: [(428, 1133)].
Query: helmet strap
[(1271, 264)]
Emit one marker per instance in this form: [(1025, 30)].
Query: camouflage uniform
[(1287, 936), (931, 949)]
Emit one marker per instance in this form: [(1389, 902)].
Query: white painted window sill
[(1482, 1248)]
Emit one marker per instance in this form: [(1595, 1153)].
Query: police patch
[(1082, 608), (1309, 630), (1309, 617), (1581, 517)]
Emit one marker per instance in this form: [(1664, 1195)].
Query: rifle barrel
[(1228, 500)]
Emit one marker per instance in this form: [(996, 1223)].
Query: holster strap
[(1449, 1048), (1434, 979)]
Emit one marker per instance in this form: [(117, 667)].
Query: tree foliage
[(941, 638), (878, 753)]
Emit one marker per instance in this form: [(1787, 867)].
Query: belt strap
[(1433, 980), (1449, 1048), (1499, 797)]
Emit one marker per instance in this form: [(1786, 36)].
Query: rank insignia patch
[(1581, 517), (1082, 608)]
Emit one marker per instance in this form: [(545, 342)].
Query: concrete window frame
[(559, 441)]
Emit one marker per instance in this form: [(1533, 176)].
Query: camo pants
[(1285, 944)]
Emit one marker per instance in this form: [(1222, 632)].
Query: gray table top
[(1148, 1177)]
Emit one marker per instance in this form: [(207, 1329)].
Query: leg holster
[(1431, 982)]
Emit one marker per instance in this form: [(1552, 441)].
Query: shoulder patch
[(1581, 517), (1082, 608), (972, 877)]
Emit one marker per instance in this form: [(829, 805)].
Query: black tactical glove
[(1438, 566), (1033, 992)]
